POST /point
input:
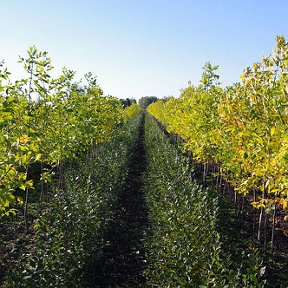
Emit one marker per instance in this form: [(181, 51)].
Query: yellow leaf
[(38, 157), (23, 187), (274, 162), (24, 139), (275, 191), (257, 205), (20, 200), (25, 159), (29, 183), (22, 176), (11, 172)]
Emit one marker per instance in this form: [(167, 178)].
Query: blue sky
[(143, 47)]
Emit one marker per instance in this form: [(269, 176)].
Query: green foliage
[(209, 77), (184, 247), (68, 232), (63, 123), (64, 150), (63, 155), (127, 102), (131, 111), (144, 102)]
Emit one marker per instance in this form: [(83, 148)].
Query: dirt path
[(122, 262)]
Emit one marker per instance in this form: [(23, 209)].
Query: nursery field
[(190, 192)]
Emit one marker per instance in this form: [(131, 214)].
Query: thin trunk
[(260, 225), (30, 84), (235, 198), (261, 217), (242, 208), (212, 176), (242, 204), (254, 212), (273, 227), (265, 231), (218, 177), (42, 187), (26, 209), (26, 205), (220, 182), (204, 171)]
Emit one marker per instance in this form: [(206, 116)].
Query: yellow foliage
[(243, 127), (131, 111)]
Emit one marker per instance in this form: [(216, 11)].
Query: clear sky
[(143, 47)]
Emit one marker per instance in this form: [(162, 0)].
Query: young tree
[(209, 77)]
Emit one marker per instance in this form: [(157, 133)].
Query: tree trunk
[(260, 225), (273, 227), (26, 205)]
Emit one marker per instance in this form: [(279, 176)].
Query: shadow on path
[(122, 261)]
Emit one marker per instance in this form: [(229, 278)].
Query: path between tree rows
[(122, 261)]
